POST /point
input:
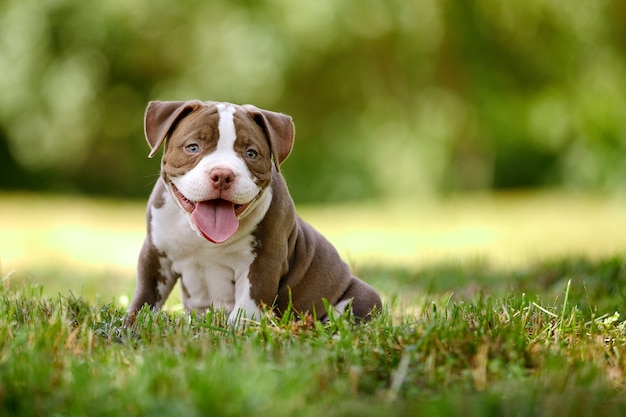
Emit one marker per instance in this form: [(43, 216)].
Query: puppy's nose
[(221, 178)]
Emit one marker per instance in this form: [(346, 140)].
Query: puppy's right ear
[(161, 117)]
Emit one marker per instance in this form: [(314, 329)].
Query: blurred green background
[(390, 98)]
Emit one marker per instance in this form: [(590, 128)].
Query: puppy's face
[(217, 162), (218, 158)]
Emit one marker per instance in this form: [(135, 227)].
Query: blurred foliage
[(390, 98)]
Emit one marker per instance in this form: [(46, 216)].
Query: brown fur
[(309, 268)]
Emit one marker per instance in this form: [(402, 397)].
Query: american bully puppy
[(221, 221)]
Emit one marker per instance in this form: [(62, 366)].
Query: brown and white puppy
[(220, 219)]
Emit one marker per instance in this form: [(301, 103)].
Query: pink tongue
[(216, 219)]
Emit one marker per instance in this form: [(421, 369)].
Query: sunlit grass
[(97, 240), (505, 230)]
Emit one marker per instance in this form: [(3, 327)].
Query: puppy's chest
[(192, 256)]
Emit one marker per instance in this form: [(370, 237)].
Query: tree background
[(391, 99)]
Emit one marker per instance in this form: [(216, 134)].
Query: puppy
[(221, 221)]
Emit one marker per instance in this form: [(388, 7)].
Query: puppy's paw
[(241, 317)]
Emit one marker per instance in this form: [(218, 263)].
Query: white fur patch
[(226, 127), (337, 310), (340, 307)]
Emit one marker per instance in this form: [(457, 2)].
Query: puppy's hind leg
[(365, 300)]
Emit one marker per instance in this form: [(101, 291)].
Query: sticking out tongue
[(216, 219)]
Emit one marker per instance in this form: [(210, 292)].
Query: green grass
[(454, 339), (487, 313)]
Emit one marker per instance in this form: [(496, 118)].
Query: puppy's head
[(217, 159)]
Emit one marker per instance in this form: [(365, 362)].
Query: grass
[(469, 340), (489, 312)]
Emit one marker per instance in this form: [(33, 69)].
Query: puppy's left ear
[(278, 128), (161, 117)]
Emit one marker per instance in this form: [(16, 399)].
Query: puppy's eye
[(251, 154), (193, 148)]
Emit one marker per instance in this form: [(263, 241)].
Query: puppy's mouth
[(217, 219)]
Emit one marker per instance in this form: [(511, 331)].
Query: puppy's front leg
[(245, 307), (155, 279)]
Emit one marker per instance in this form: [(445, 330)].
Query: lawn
[(521, 318)]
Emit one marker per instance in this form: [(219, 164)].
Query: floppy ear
[(161, 117), (278, 128)]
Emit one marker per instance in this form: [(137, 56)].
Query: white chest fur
[(212, 275)]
